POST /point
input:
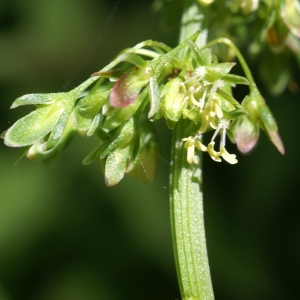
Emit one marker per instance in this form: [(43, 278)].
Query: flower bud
[(247, 134), (127, 88), (259, 115), (115, 165), (173, 99)]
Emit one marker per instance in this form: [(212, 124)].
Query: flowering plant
[(189, 88), (114, 103)]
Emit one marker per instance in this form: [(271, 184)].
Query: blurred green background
[(65, 235)]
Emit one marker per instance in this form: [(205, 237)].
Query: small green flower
[(259, 115), (173, 99)]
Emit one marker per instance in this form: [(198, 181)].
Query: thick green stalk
[(187, 219)]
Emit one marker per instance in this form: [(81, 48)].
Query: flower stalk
[(186, 198), (187, 220)]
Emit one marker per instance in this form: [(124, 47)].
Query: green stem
[(187, 219)]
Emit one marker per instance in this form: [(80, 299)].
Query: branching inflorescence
[(148, 81)]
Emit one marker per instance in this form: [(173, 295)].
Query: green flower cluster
[(147, 82), (267, 30), (270, 29)]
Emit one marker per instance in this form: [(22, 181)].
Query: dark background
[(65, 235)]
